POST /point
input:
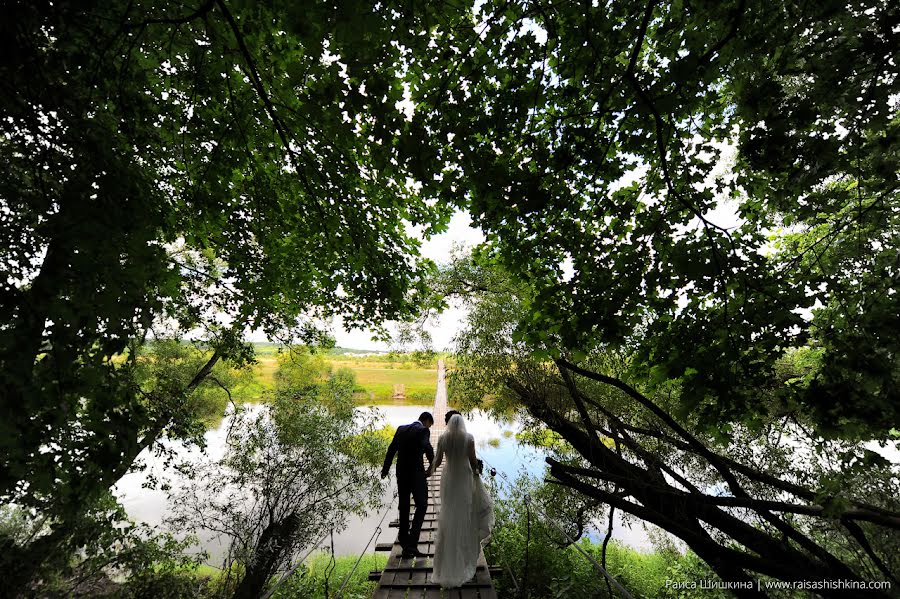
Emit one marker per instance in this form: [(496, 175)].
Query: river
[(496, 442)]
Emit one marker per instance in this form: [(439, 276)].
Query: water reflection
[(496, 444)]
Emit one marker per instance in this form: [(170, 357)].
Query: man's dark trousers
[(411, 483), (411, 443)]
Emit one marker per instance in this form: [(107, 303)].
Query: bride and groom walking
[(466, 515)]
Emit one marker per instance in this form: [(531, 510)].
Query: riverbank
[(553, 572)]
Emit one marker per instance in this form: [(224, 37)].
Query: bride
[(466, 516)]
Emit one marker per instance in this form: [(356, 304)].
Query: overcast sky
[(448, 324)]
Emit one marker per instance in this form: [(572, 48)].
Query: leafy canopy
[(710, 183), (200, 168), (209, 168)]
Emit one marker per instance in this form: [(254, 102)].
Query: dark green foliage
[(708, 184), (164, 368), (558, 570), (107, 544), (175, 166), (162, 165), (309, 581), (164, 585), (678, 200), (762, 498), (293, 471)]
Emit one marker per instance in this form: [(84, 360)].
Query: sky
[(448, 324)]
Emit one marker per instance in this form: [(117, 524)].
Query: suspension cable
[(500, 553), (375, 534), (509, 571), (294, 568), (587, 555), (289, 573), (332, 564), (527, 545)]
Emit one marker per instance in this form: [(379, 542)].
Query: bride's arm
[(473, 461)]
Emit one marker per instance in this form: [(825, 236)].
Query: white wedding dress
[(467, 512)]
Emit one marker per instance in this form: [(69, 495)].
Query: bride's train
[(467, 510)]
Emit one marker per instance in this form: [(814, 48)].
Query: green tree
[(555, 569), (720, 176), (772, 499), (290, 474), (183, 166), (688, 196)]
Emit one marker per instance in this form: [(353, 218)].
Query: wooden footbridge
[(410, 578)]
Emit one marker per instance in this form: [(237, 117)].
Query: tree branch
[(639, 38), (662, 415), (267, 102), (202, 10)]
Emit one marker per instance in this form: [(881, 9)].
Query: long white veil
[(456, 424), (455, 435), (466, 516)]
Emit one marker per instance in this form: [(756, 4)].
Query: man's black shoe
[(413, 553)]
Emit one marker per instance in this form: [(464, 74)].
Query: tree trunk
[(684, 514), (270, 549), (24, 564)]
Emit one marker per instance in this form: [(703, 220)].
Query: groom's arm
[(392, 449), (426, 446)]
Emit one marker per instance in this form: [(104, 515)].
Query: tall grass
[(309, 582)]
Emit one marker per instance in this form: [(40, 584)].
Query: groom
[(409, 443)]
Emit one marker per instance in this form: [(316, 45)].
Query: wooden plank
[(383, 591), (483, 577), (401, 576), (417, 567), (414, 593), (424, 567), (427, 527), (410, 578), (466, 586), (427, 524), (417, 583)]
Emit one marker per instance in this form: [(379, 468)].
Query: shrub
[(556, 570)]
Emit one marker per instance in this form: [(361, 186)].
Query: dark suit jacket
[(410, 442)]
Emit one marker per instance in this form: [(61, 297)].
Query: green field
[(377, 384), (264, 370), (376, 375)]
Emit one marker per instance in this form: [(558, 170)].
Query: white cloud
[(445, 326)]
